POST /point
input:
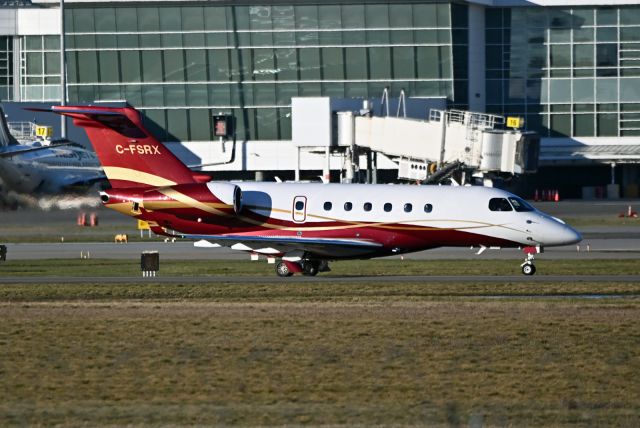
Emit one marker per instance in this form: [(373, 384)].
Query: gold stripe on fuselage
[(135, 176)]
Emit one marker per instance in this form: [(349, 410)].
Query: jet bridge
[(473, 142)]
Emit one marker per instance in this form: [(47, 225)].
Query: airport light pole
[(63, 73)]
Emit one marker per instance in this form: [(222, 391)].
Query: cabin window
[(520, 205), (348, 206), (408, 208), (499, 204), (367, 206), (388, 207), (299, 205), (327, 206), (428, 208)]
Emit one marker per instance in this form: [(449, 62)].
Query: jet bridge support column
[(297, 174), (374, 168), (327, 166)]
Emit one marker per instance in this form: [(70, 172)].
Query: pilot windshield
[(520, 205)]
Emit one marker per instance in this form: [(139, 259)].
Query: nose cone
[(557, 233)]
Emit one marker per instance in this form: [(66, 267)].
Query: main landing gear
[(307, 267), (528, 268)]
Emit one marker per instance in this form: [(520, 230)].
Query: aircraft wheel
[(528, 269), (310, 268), (283, 270)]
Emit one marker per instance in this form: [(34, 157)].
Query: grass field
[(106, 267), (330, 353)]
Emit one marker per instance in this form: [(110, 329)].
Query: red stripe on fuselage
[(416, 239)]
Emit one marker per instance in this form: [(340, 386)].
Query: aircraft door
[(299, 209)]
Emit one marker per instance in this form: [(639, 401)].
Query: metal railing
[(468, 118), (24, 132)]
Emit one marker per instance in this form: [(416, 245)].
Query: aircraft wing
[(280, 245), (8, 154)]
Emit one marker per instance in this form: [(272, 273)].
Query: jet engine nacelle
[(183, 200)]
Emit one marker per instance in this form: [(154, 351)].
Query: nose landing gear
[(528, 268)]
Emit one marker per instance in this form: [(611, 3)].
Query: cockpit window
[(499, 204), (520, 205)]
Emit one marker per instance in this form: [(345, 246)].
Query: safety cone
[(536, 196), (556, 196)]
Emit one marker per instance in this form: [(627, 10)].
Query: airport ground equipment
[(3, 253), (149, 263)]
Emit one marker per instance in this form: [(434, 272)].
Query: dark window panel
[(606, 16), (177, 125), (87, 66), (174, 67), (377, 15), (283, 17), (607, 125), (286, 64), (264, 67), (126, 19), (109, 66), (219, 67), (133, 95), (83, 21), (267, 123), (356, 63), (197, 95), (380, 63), (34, 63), (151, 66), (583, 55), (152, 95), (219, 95), (403, 62), (560, 125), (200, 125), (171, 19), (284, 93), (607, 34), (333, 89), (310, 63), (108, 93), (196, 65), (306, 17), (264, 93), (584, 125), (582, 16), (148, 18), (560, 55), (107, 41), (193, 40), (583, 34), (217, 18), (353, 16)]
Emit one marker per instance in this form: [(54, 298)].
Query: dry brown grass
[(280, 363)]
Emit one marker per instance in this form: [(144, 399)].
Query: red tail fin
[(129, 154)]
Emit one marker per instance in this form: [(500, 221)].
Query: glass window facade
[(40, 68), (571, 72), (6, 68), (182, 63)]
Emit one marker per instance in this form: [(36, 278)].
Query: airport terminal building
[(570, 68)]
